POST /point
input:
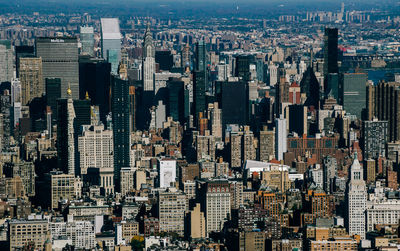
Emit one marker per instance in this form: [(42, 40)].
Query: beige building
[(24, 232), (251, 241), (236, 149), (95, 147), (216, 202), (277, 178), (64, 187), (337, 244), (197, 223), (140, 178), (31, 77), (205, 146), (267, 145), (127, 180), (129, 230), (171, 209), (249, 150), (215, 114)]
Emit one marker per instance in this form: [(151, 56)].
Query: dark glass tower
[(234, 103), (120, 104), (165, 60), (242, 69), (53, 92), (94, 78), (201, 56), (176, 100), (331, 51)]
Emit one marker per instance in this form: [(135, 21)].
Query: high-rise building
[(165, 60), (111, 42), (374, 138), (16, 99), (199, 92), (167, 173), (66, 135), (185, 59), (236, 149), (215, 200), (86, 35), (60, 60), (298, 119), (31, 77), (205, 147), (127, 177), (330, 172), (23, 51), (6, 61), (201, 56), (81, 233), (248, 148), (383, 103), (171, 210), (94, 80), (215, 114), (369, 171), (28, 232), (242, 69), (53, 92), (356, 200), (234, 103), (310, 86), (353, 92), (196, 227), (95, 147), (280, 138), (176, 100), (331, 51), (149, 62), (64, 187), (120, 108), (266, 145)]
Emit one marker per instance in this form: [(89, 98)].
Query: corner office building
[(60, 60)]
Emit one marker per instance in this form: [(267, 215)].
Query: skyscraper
[(215, 200), (199, 93), (65, 134), (280, 138), (331, 51), (94, 80), (149, 62), (243, 67), (176, 100), (31, 77), (234, 103), (111, 42), (201, 56), (353, 92), (6, 61), (15, 102), (60, 60), (87, 40), (356, 200), (23, 51), (53, 92), (383, 103), (374, 136), (120, 122)]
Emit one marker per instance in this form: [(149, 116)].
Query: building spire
[(69, 91)]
